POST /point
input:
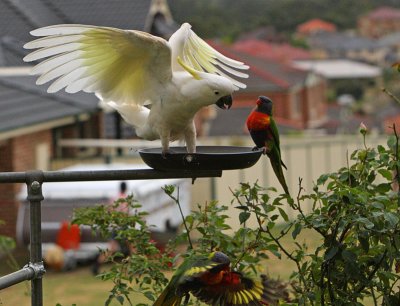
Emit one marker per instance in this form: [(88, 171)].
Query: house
[(340, 45), (32, 121), (379, 22), (314, 26), (299, 96)]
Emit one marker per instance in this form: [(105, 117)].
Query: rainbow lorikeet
[(264, 132), (210, 279)]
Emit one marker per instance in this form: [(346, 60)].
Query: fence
[(34, 180)]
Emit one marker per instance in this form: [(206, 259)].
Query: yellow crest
[(193, 72)]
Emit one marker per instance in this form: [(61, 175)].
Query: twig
[(372, 273), (397, 165), (391, 95), (183, 217), (250, 247), (302, 213)]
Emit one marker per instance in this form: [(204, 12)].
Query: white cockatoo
[(156, 85)]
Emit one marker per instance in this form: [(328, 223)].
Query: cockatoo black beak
[(225, 102)]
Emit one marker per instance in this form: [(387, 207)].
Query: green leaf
[(383, 188), (120, 299), (386, 174), (283, 214), (244, 216), (297, 229), (169, 189), (364, 241), (331, 252), (381, 149), (322, 179), (391, 218), (149, 295), (367, 223)]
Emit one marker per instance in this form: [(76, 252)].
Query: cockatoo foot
[(166, 153)]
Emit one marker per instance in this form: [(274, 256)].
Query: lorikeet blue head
[(264, 105), (219, 257)]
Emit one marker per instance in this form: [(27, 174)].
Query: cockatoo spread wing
[(189, 51), (120, 65)]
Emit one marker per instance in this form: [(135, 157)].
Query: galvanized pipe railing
[(34, 270)]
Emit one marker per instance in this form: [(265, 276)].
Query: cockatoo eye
[(216, 92)]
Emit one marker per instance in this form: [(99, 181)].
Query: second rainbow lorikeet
[(211, 280), (264, 132)]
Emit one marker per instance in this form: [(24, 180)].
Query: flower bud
[(363, 128)]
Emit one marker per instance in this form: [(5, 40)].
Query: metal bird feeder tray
[(205, 158)]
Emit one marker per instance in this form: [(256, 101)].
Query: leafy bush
[(354, 211), (142, 271), (7, 244)]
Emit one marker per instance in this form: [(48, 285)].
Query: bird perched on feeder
[(264, 132), (133, 70), (210, 279)]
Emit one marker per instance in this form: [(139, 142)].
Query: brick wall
[(17, 154), (7, 192)]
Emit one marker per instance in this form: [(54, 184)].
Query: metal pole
[(27, 273), (34, 180), (107, 175)]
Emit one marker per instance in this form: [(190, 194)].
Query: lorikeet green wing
[(274, 155), (211, 281), (192, 273)]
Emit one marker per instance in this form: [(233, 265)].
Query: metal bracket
[(34, 182), (37, 268)]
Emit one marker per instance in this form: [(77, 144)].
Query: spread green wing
[(239, 290)]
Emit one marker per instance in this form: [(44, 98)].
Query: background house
[(341, 45), (32, 121), (299, 96), (379, 22)]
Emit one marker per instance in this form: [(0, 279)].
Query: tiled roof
[(263, 49), (316, 25), (11, 51), (265, 74), (23, 103), (18, 17)]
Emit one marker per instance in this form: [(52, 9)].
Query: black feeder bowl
[(205, 158)]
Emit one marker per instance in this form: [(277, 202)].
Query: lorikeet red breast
[(210, 279), (264, 132)]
